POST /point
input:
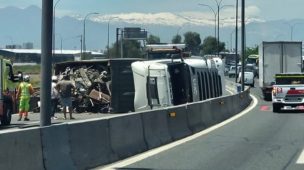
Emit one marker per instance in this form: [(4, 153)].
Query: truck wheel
[(7, 113), (80, 109), (267, 97), (276, 108)]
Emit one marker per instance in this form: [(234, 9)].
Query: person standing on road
[(54, 97), (65, 88), (24, 92)]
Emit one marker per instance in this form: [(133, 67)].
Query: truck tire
[(7, 113), (276, 108), (267, 97)]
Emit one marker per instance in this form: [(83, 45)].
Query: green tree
[(209, 46), (152, 39), (251, 50), (131, 49), (192, 41), (177, 39)]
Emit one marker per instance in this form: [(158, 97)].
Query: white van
[(248, 78)]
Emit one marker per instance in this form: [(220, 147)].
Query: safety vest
[(25, 89)]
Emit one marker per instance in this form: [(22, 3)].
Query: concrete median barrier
[(248, 97), (156, 129), (234, 100), (127, 135), (207, 117), (218, 110), (227, 103), (56, 147), (21, 150), (177, 122), (90, 143), (194, 113), (230, 107), (237, 103), (244, 99)]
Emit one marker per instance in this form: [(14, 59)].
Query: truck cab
[(288, 91), (8, 92)]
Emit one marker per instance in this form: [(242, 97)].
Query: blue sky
[(264, 9)]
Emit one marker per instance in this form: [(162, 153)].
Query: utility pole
[(117, 46), (236, 37), (84, 31), (46, 62), (121, 42), (243, 43)]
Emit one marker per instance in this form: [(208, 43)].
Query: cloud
[(163, 18), (199, 18), (252, 11)]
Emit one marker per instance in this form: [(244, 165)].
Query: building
[(28, 45), (34, 55)]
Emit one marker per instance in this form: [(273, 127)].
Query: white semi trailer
[(277, 57), (166, 82)]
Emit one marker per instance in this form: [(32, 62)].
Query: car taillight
[(279, 90)]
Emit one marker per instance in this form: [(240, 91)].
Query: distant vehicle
[(252, 68), (226, 70), (253, 59), (277, 57), (230, 58), (231, 72), (288, 91), (248, 78)]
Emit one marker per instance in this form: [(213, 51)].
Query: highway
[(260, 139)]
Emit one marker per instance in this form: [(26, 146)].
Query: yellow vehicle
[(253, 59), (7, 95)]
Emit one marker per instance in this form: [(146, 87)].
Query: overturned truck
[(101, 85)]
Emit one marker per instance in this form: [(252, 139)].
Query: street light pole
[(219, 7), (84, 20), (236, 37), (80, 45), (46, 62), (231, 34), (243, 43), (54, 30), (109, 35), (60, 41), (215, 14), (291, 29), (218, 26)]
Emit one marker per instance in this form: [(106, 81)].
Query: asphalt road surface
[(35, 119), (258, 140)]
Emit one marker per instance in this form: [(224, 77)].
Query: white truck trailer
[(277, 57)]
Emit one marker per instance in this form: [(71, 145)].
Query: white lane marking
[(34, 122), (155, 151), (229, 91), (301, 158)]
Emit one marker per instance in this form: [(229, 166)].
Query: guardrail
[(87, 144)]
